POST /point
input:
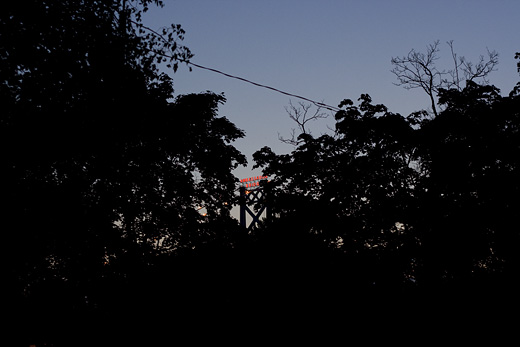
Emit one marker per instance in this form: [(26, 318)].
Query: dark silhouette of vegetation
[(419, 70), (301, 114), (106, 175), (103, 173), (418, 204)]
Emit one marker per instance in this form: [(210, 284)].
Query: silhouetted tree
[(419, 70), (301, 115), (354, 191), (470, 159), (413, 201), (103, 173), (516, 89)]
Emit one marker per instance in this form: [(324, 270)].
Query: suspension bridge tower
[(254, 201)]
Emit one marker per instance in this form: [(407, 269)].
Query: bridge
[(253, 201)]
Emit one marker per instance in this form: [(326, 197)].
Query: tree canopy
[(104, 170), (117, 194), (431, 201)]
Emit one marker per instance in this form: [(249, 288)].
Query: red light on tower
[(252, 181), (252, 192)]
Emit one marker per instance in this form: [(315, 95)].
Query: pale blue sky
[(326, 50)]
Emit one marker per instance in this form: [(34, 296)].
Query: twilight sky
[(326, 50)]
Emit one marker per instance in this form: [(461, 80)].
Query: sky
[(326, 50)]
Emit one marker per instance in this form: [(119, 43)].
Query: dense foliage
[(105, 174), (419, 201), (103, 170)]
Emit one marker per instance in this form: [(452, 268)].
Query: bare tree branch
[(418, 70), (482, 69), (301, 114), (455, 76), (468, 70)]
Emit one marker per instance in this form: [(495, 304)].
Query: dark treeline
[(104, 173)]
